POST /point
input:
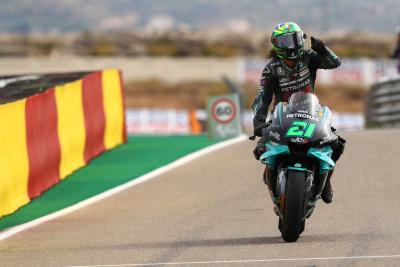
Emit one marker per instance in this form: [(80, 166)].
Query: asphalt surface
[(216, 208)]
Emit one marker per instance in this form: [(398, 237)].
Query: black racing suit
[(280, 81)]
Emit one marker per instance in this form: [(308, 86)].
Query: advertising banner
[(158, 121), (224, 119)]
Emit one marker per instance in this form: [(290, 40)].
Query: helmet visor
[(292, 40)]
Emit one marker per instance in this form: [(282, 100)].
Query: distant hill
[(24, 16)]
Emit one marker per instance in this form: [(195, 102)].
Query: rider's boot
[(338, 149), (327, 192)]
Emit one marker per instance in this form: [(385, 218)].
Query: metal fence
[(383, 104)]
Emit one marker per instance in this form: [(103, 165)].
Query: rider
[(292, 69)]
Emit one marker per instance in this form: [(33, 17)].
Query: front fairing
[(290, 130), (300, 128), (298, 140)]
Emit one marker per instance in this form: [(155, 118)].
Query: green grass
[(120, 165)]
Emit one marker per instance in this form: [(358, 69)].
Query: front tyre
[(292, 223)]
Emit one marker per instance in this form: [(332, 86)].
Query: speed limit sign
[(223, 110), (223, 117)]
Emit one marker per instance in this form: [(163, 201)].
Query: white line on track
[(244, 261), (177, 163)]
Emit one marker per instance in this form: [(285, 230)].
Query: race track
[(216, 208)]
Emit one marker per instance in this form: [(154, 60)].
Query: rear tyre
[(292, 223)]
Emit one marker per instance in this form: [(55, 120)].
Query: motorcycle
[(298, 160)]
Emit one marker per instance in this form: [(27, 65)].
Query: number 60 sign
[(224, 116)]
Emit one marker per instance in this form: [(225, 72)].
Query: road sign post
[(224, 117)]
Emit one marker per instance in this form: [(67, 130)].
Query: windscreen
[(303, 103)]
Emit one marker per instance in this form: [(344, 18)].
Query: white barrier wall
[(348, 121), (176, 70), (157, 121), (341, 121), (169, 121), (351, 71)]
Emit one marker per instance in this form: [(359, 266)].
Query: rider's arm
[(264, 98), (321, 56), (325, 60)]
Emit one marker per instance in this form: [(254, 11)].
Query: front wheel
[(292, 222)]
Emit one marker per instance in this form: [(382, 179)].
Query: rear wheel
[(292, 223)]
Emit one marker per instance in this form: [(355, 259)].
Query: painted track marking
[(175, 164), (245, 261)]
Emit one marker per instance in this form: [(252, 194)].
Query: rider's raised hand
[(318, 45)]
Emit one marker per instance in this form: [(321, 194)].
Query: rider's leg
[(338, 149)]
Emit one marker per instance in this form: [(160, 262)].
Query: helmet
[(288, 41)]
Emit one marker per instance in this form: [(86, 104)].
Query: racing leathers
[(279, 81)]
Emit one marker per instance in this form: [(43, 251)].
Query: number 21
[(301, 129)]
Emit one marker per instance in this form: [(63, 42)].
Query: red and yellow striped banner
[(48, 136)]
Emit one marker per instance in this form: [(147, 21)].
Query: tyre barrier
[(47, 136), (383, 104)]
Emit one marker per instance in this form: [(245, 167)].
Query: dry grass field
[(174, 83), (192, 95)]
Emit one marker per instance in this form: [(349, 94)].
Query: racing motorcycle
[(298, 159)]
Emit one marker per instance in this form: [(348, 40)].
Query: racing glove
[(259, 150), (259, 128), (318, 45)]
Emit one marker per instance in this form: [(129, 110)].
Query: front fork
[(277, 189)]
